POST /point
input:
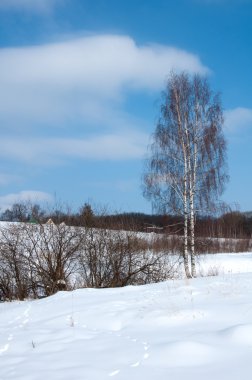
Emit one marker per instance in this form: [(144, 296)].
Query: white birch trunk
[(192, 234), (183, 136), (185, 249), (193, 153), (185, 201)]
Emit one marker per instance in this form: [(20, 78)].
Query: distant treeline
[(229, 225), (232, 224)]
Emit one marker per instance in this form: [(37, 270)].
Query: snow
[(193, 329), (224, 263)]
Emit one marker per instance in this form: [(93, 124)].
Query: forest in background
[(230, 224)]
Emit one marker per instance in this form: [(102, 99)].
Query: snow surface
[(181, 329)]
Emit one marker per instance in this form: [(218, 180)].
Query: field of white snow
[(181, 329)]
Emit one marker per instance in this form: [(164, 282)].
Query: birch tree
[(186, 168)]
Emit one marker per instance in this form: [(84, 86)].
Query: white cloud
[(59, 82), (6, 201), (130, 145), (30, 5), (238, 119), (103, 62)]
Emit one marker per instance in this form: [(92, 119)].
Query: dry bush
[(40, 259), (37, 260), (222, 245), (15, 279), (170, 244), (52, 253), (119, 258), (213, 270)]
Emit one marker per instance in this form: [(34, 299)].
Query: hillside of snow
[(181, 329)]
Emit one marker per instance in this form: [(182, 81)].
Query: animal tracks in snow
[(4, 348), (144, 356), (12, 325), (135, 364), (114, 372), (130, 343)]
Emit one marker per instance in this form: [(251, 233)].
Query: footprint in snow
[(4, 348), (114, 373), (135, 364)]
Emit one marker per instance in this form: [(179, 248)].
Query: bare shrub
[(40, 259), (52, 250), (170, 244), (118, 258), (211, 271), (14, 267), (222, 245)]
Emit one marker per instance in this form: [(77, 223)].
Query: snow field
[(194, 329)]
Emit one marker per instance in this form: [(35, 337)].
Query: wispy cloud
[(130, 145), (58, 82), (8, 200), (29, 5), (6, 179), (238, 119)]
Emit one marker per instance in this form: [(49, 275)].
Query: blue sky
[(80, 82)]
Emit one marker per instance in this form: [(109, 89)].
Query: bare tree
[(15, 279), (86, 215), (186, 170), (52, 253)]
